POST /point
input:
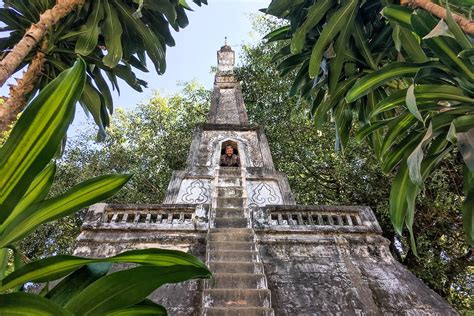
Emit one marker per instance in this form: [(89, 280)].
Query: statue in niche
[(229, 159)]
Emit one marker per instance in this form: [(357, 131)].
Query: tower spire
[(227, 105)]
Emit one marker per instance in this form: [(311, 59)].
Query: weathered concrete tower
[(269, 256)]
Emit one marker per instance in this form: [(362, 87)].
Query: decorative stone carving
[(263, 193), (194, 191)]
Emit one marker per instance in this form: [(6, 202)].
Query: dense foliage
[(405, 76), (319, 174)]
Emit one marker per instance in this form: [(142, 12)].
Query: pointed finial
[(225, 40)]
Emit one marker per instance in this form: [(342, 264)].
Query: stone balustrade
[(148, 216), (302, 218)]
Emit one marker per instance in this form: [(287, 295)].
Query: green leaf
[(154, 47), (112, 31), (396, 129), (416, 157), (370, 128), (315, 14), (143, 308), (129, 287), (456, 30), (81, 195), (466, 147), (332, 28), (51, 268), (331, 101), (360, 39), (88, 38), (468, 205), (467, 53), (396, 37), (343, 116), (410, 216), (37, 191), (37, 135), (398, 197), (166, 7), (342, 41), (29, 304), (91, 100), (445, 48), (278, 34), (424, 93), (103, 88), (278, 8), (4, 257), (77, 281), (412, 46), (377, 78), (411, 103), (398, 14), (185, 5), (392, 157)]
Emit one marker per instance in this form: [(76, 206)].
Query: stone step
[(236, 298), (229, 182), (232, 255), (230, 192), (235, 267), (238, 222), (225, 236), (229, 212), (238, 311), (231, 202), (230, 171), (237, 281), (232, 230), (231, 245)]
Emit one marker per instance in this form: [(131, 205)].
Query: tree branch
[(16, 101), (34, 35), (465, 24)]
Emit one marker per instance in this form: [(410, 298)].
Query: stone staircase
[(239, 285)]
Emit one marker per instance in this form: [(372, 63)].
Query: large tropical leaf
[(37, 135), (51, 268), (126, 288), (89, 36), (144, 308), (377, 78), (112, 29), (81, 195), (29, 304), (77, 281), (331, 29), (315, 13)]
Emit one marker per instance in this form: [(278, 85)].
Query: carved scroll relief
[(261, 193), (194, 191)]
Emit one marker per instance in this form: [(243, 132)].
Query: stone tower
[(268, 255)]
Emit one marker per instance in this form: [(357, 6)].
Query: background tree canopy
[(154, 139)]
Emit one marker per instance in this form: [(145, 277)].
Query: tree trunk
[(34, 35), (465, 24), (16, 101)]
